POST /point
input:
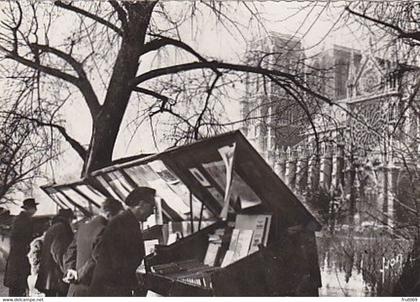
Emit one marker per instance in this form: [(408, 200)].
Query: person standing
[(17, 267), (122, 249), (81, 256), (51, 267)]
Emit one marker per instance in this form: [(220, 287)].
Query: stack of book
[(175, 267), (200, 276), (188, 271)]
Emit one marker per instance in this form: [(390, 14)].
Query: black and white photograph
[(203, 148)]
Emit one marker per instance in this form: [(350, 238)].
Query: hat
[(112, 205), (29, 203), (138, 194), (67, 213)]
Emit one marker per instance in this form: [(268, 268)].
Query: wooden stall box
[(225, 224)]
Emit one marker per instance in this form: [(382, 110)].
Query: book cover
[(149, 246), (234, 239), (228, 258), (258, 237), (211, 255), (243, 244), (172, 238)]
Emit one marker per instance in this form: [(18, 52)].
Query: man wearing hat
[(51, 266), (122, 248), (81, 256), (18, 268)]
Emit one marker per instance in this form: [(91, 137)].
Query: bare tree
[(24, 149), (399, 19), (102, 59)]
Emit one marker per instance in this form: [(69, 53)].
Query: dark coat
[(51, 267), (122, 251), (18, 268), (82, 254)]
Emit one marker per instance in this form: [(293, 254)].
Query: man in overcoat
[(82, 254), (122, 249), (18, 268), (51, 267)]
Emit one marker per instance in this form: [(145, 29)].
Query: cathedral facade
[(354, 162)]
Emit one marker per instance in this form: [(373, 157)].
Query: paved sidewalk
[(4, 291)]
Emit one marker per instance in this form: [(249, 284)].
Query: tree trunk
[(106, 124)]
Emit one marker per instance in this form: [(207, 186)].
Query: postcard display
[(225, 224)]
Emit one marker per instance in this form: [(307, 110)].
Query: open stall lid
[(197, 181)]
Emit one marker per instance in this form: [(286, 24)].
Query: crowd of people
[(99, 259)]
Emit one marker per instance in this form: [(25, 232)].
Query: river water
[(361, 265)]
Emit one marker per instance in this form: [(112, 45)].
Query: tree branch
[(162, 41), (81, 151), (83, 82), (163, 98), (177, 115), (87, 14), (410, 101), (151, 93), (373, 19), (48, 70), (15, 28), (401, 32), (16, 148), (23, 174), (122, 15), (77, 66), (228, 66), (200, 117)]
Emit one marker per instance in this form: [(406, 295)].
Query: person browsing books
[(51, 266), (122, 249), (82, 254)]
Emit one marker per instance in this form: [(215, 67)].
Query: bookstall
[(225, 224)]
